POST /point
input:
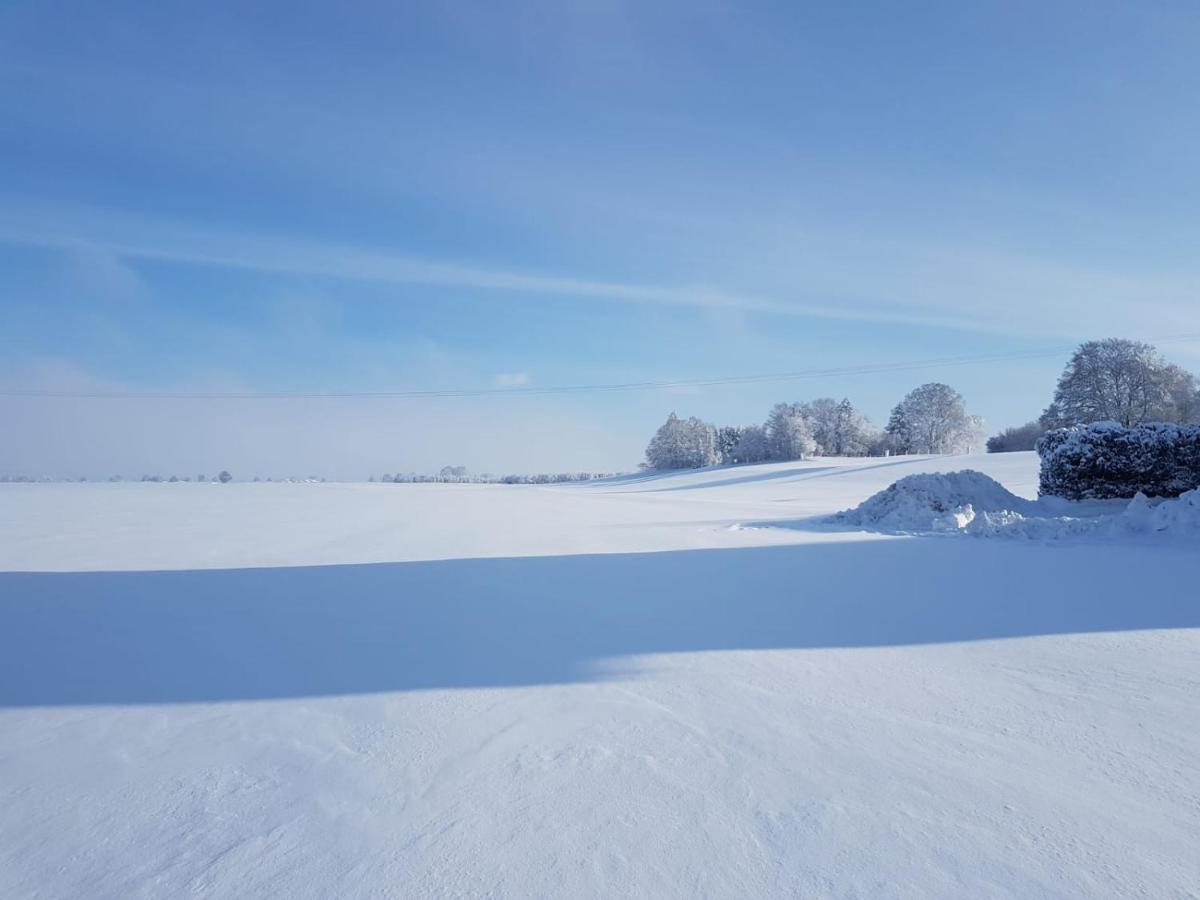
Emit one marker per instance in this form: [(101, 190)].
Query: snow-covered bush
[(1107, 460)]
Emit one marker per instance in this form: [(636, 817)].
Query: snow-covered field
[(462, 691)]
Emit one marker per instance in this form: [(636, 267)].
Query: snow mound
[(1181, 514), (944, 501), (970, 502)]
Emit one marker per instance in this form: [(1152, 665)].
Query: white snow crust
[(601, 690)]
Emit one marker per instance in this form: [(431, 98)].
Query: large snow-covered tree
[(683, 444), (1117, 380), (789, 434), (933, 419)]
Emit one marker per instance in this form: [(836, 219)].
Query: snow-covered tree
[(838, 428), (683, 444), (1182, 396), (1122, 381), (820, 415), (933, 419), (224, 478), (789, 435), (753, 446), (728, 438)]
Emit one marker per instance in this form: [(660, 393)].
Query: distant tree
[(880, 444), (753, 446), (224, 477), (933, 419), (683, 444), (837, 427), (1020, 437), (821, 416), (728, 438), (453, 472), (201, 478), (1117, 380), (789, 434), (1182, 396), (173, 479)]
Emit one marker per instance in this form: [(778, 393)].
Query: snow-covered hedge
[(1106, 460)]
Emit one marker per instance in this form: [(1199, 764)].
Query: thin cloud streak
[(171, 243)]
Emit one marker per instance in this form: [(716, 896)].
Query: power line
[(803, 374)]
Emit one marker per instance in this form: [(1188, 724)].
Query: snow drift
[(969, 502)]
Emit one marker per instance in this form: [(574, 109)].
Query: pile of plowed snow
[(970, 502), (943, 501)]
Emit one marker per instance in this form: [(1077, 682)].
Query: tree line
[(223, 478), (460, 475), (1112, 380), (931, 419)]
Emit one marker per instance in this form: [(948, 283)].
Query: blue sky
[(320, 197)]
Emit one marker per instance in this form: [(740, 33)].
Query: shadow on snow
[(241, 634)]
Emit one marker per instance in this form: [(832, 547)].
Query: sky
[(389, 197)]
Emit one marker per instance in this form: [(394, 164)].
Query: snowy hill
[(605, 689)]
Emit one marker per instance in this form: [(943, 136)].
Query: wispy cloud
[(916, 283), (511, 379), (132, 238)]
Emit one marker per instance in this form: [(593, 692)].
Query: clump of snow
[(1142, 515), (970, 502), (1181, 514), (930, 502)]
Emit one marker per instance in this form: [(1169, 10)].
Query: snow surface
[(470, 690)]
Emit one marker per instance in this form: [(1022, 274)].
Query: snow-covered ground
[(460, 691)]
